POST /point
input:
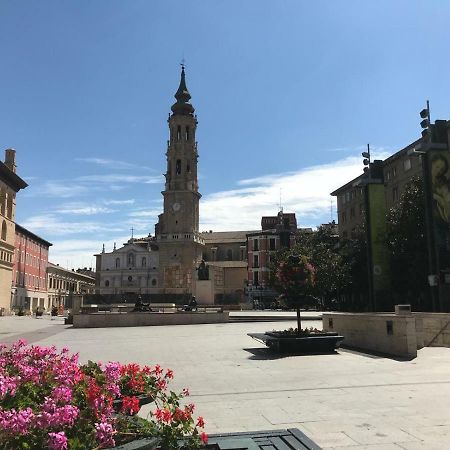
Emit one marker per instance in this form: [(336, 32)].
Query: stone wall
[(107, 319), (433, 328), (384, 333)]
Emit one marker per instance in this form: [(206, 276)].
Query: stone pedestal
[(204, 292)]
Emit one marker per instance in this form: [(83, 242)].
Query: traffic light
[(366, 160), (425, 123)]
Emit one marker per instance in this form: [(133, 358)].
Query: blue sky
[(287, 94)]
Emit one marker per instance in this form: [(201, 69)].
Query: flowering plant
[(296, 332), (47, 400)]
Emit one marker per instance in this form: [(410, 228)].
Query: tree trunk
[(299, 321)]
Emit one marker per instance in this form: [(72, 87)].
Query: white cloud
[(59, 189), (119, 202), (305, 192), (113, 163), (51, 224), (76, 253), (83, 209), (145, 213), (120, 178)]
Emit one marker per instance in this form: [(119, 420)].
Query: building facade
[(29, 277), (277, 232), (394, 173), (10, 184), (131, 269), (63, 284)]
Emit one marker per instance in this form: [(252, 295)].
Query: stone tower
[(180, 245)]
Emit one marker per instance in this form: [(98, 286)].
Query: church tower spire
[(182, 105), (177, 231)]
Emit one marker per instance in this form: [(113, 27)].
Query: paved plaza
[(347, 400)]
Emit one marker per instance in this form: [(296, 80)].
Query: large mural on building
[(440, 190)]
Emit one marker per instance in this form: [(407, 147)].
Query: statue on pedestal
[(203, 271)]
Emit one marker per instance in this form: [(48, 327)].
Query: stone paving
[(347, 400)]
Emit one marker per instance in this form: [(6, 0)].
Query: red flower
[(204, 437), (162, 385), (158, 414), (200, 422), (169, 374), (130, 405), (190, 407), (166, 416)]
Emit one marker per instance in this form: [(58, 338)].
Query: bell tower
[(180, 245)]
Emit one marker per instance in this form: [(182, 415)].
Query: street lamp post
[(424, 150)]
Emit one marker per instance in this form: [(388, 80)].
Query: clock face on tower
[(176, 206)]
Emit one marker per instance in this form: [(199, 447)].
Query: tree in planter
[(333, 268), (333, 272), (296, 277)]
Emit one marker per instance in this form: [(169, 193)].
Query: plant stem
[(299, 321)]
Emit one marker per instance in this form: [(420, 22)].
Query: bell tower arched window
[(117, 263), (3, 201), (9, 205), (4, 230), (178, 167), (187, 133), (179, 133)]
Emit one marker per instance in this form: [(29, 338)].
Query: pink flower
[(204, 437), (112, 371), (16, 421), (62, 394), (104, 432), (57, 441)]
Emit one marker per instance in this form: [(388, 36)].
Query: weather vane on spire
[(183, 61)]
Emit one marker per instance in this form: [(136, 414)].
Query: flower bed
[(294, 332), (48, 400), (304, 341)]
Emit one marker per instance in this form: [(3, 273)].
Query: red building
[(29, 283), (276, 232)]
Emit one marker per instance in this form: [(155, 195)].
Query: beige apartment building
[(10, 184)]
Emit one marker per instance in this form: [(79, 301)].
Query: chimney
[(10, 159)]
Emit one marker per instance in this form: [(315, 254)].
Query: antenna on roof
[(132, 232), (281, 205), (331, 209)]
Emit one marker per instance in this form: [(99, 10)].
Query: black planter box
[(312, 343), (291, 439)]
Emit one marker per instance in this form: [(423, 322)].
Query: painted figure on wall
[(440, 184)]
